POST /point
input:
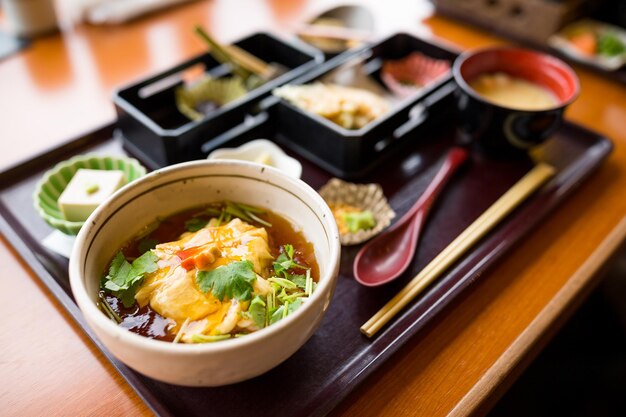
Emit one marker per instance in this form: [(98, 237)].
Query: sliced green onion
[(181, 331), (283, 282), (250, 209), (236, 211), (201, 338), (308, 287), (293, 297), (271, 302), (109, 310), (220, 219), (212, 211), (258, 219)]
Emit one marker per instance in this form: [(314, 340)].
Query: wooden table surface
[(61, 87)]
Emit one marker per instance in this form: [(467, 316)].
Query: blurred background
[(581, 372)]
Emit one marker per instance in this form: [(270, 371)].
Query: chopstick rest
[(470, 236)]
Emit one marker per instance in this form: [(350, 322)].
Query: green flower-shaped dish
[(54, 181)]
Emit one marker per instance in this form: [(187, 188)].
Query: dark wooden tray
[(338, 356)]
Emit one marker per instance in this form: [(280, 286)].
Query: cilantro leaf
[(124, 278), (284, 310), (195, 224), (293, 306), (278, 314), (118, 272), (128, 296), (145, 264), (299, 280), (285, 261), (233, 281), (257, 311)]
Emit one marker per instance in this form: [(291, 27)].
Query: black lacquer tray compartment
[(352, 153), (150, 121)]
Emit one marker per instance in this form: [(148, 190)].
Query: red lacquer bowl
[(506, 130)]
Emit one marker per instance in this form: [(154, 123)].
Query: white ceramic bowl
[(170, 190), (260, 148)]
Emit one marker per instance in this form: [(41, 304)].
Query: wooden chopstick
[(477, 230), (250, 62), (333, 32), (240, 60)]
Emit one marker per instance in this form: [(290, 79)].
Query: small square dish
[(591, 42), (152, 125)]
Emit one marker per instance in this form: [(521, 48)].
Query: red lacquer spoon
[(385, 257)]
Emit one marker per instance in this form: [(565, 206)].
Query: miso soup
[(512, 92)]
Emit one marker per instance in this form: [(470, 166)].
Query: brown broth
[(142, 320), (147, 322)]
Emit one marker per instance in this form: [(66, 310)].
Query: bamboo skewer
[(477, 230)]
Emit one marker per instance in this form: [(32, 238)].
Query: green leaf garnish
[(145, 264), (299, 280), (359, 220), (195, 224), (124, 278), (610, 45), (284, 310), (285, 261), (257, 311), (233, 281), (278, 314), (234, 210), (294, 305), (201, 338)]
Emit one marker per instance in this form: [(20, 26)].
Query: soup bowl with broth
[(511, 99), (155, 207)]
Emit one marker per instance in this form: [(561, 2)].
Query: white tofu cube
[(87, 189)]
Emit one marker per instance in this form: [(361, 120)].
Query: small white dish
[(561, 42), (261, 151)]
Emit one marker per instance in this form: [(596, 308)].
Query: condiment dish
[(261, 151), (54, 181)]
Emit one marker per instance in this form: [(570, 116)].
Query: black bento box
[(152, 126), (352, 153)]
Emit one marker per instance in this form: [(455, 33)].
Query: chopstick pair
[(477, 230)]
